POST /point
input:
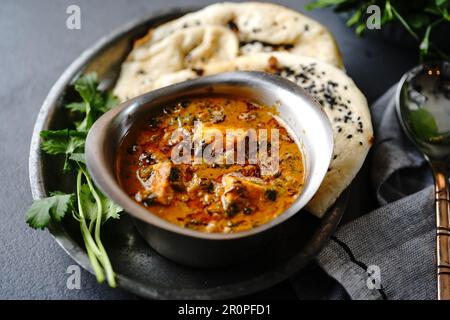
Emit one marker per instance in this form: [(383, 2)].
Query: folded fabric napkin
[(389, 253)]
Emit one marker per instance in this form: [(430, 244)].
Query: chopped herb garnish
[(153, 122), (184, 104), (174, 174), (149, 200), (271, 194)]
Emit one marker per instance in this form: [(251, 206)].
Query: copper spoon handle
[(442, 198)]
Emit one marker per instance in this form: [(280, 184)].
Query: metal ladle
[(423, 108)]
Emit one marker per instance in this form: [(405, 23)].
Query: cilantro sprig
[(417, 17), (88, 205)]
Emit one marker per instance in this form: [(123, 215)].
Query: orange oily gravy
[(177, 166)]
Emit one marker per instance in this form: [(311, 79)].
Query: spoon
[(423, 108)]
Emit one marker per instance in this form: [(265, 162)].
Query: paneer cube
[(241, 192), (158, 187)]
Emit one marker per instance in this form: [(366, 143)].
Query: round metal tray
[(138, 267)]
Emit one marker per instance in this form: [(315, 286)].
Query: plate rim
[(328, 224)]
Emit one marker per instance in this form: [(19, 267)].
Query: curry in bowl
[(212, 164)]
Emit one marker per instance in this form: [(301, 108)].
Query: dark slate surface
[(35, 48)]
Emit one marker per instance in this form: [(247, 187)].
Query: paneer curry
[(236, 189)]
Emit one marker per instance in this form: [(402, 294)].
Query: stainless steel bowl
[(302, 115)]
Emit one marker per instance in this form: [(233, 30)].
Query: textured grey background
[(35, 48)]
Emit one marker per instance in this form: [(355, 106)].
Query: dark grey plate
[(139, 268)]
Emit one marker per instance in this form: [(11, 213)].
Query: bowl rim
[(107, 180)]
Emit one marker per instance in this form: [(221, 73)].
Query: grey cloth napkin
[(389, 253)]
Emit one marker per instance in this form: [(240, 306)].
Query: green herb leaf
[(323, 4), (110, 101), (54, 207), (64, 142), (425, 44), (441, 3), (109, 208), (388, 10), (355, 18), (88, 202), (86, 86), (78, 157), (360, 28), (95, 102), (417, 21), (414, 16), (76, 107)]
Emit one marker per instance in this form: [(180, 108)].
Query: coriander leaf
[(95, 104), (38, 215), (61, 203), (43, 210), (110, 101), (76, 107), (425, 44), (360, 28), (417, 21), (388, 10), (88, 203), (355, 18), (110, 209), (86, 86), (323, 4), (78, 157), (62, 141)]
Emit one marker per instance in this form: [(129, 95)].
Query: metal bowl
[(308, 123)]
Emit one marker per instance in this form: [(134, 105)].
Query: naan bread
[(343, 102), (188, 48), (260, 27), (223, 31)]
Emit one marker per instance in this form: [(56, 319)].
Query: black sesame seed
[(232, 25)]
